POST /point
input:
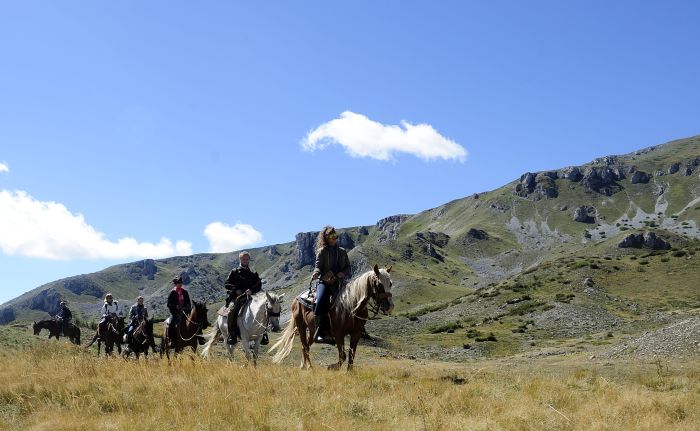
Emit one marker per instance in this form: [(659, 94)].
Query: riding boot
[(171, 335), (265, 339), (233, 334), (322, 329)]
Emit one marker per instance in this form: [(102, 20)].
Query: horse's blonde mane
[(354, 293)]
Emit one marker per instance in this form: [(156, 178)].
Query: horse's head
[(274, 308), (200, 308), (37, 328), (381, 289), (148, 327)]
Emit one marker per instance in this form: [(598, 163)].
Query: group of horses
[(348, 315)]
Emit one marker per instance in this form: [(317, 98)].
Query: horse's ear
[(268, 295), (281, 296), (376, 269), (389, 268)]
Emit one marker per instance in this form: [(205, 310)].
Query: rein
[(179, 328)]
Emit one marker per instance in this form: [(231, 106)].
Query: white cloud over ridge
[(48, 230), (4, 167), (224, 238), (362, 137)]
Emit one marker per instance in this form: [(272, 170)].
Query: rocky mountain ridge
[(470, 251)]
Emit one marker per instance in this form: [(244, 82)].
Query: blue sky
[(148, 129)]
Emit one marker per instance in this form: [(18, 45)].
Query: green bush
[(445, 327), (491, 337)]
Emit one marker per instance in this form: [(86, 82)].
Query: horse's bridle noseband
[(379, 294)]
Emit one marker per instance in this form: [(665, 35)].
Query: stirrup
[(265, 339), (322, 338)]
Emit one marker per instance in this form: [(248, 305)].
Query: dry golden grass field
[(56, 386)]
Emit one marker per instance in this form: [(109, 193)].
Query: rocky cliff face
[(389, 227), (82, 285), (47, 300), (305, 249), (648, 240), (7, 315)]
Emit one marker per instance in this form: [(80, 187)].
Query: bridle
[(378, 294)]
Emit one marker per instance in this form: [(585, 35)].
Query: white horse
[(260, 311)]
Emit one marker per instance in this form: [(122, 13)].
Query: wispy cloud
[(4, 167), (224, 238), (48, 230), (362, 137)]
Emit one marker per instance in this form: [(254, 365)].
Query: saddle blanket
[(307, 298)]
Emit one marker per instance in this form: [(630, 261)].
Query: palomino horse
[(188, 332), (259, 312), (71, 331), (110, 334), (141, 340), (348, 316)]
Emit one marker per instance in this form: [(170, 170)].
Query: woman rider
[(332, 266)]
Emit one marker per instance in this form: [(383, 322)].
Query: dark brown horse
[(110, 333), (348, 316), (54, 327), (188, 332), (141, 340)]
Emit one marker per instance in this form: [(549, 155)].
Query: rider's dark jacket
[(138, 312), (65, 314), (173, 302), (241, 279), (333, 259)]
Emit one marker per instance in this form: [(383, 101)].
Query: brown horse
[(189, 331), (141, 340), (54, 327), (348, 316), (111, 334)]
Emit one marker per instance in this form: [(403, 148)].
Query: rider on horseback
[(178, 302), (110, 309), (64, 318), (137, 314), (332, 267), (240, 284)]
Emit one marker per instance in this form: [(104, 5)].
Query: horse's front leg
[(245, 345), (354, 339), (340, 343), (256, 352), (91, 342)]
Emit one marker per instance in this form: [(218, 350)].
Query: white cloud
[(4, 167), (362, 137), (224, 238), (48, 230)]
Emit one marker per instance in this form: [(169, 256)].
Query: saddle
[(307, 298)]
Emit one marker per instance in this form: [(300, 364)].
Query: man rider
[(64, 317), (239, 282), (178, 303), (137, 314)]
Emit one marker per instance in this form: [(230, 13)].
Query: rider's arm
[(230, 284), (318, 270)]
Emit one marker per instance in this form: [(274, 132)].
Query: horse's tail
[(284, 344), (211, 338)]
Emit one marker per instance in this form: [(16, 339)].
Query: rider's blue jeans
[(323, 298)]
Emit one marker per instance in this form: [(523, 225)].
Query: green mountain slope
[(508, 265)]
